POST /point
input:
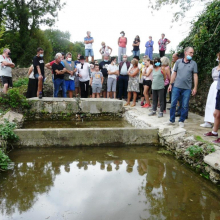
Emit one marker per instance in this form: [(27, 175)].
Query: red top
[(122, 42)]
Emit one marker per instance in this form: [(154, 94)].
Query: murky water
[(76, 124), (104, 184)]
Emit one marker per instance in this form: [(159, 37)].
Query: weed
[(7, 131), (4, 161), (195, 151)]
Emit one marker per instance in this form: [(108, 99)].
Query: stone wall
[(85, 137)]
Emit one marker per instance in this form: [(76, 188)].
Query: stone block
[(14, 117)]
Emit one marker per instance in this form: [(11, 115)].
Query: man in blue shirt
[(88, 40)]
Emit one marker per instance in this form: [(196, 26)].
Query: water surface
[(128, 183)]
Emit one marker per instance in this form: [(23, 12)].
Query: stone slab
[(67, 105), (85, 137), (213, 159), (15, 117), (101, 105)]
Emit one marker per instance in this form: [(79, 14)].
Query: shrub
[(21, 82), (13, 99), (7, 131), (195, 151), (4, 161)]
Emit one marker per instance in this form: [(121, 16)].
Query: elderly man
[(182, 78), (123, 78), (88, 40), (103, 67), (69, 74), (83, 70), (58, 71), (5, 69), (38, 64)]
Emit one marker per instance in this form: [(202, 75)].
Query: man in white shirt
[(5, 69), (83, 70), (113, 72)]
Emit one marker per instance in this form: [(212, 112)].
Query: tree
[(204, 38), (184, 5), (60, 42), (23, 18), (2, 31)]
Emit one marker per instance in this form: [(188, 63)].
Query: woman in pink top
[(122, 43), (147, 82)]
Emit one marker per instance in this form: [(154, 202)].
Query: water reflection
[(133, 183)]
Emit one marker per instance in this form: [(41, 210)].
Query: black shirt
[(57, 67), (38, 61), (136, 48), (103, 66)]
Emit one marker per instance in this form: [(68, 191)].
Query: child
[(96, 82), (113, 72)]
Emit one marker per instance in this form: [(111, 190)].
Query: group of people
[(125, 80)]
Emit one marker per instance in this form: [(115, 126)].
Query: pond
[(112, 183), (120, 123)]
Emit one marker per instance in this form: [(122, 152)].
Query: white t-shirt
[(5, 70), (85, 72), (112, 68), (150, 77)]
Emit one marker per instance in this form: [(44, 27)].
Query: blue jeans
[(136, 53), (57, 83), (184, 95), (89, 52)]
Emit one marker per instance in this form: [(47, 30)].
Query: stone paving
[(138, 117)]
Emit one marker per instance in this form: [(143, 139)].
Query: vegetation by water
[(14, 99), (7, 136)]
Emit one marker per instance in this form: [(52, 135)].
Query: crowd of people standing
[(131, 81)]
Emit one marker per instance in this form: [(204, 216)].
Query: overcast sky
[(106, 19)]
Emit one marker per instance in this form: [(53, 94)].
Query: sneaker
[(40, 95), (181, 124), (216, 141), (142, 103), (152, 113), (145, 106), (206, 125), (210, 134), (160, 115), (169, 123)]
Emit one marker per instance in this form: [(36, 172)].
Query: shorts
[(76, 80), (70, 85), (7, 80), (104, 85), (147, 83), (89, 52), (111, 84), (96, 88), (217, 105)]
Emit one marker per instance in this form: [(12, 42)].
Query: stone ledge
[(85, 137), (213, 159)]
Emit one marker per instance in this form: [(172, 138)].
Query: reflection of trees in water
[(170, 193), (21, 186), (167, 190)]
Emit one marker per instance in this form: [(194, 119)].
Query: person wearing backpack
[(123, 78)]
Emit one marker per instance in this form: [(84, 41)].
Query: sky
[(106, 19)]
